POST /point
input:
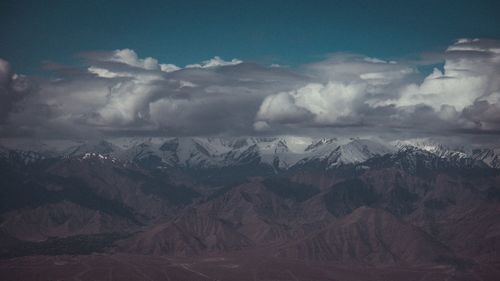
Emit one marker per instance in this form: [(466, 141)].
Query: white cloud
[(330, 102), (385, 77), (169, 112), (106, 73), (454, 88), (351, 68), (261, 126), (327, 104), (466, 77), (13, 88), (492, 98), (214, 62), (186, 84), (168, 67), (5, 72), (357, 90), (127, 93), (130, 57), (374, 60), (126, 103), (282, 107)]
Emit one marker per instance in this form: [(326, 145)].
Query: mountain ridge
[(280, 153)]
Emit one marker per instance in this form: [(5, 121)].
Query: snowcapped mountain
[(488, 156), (335, 153), (98, 147), (278, 153), (281, 153), (297, 197), (214, 152), (417, 161), (436, 148)]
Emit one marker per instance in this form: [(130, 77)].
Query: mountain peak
[(276, 152)]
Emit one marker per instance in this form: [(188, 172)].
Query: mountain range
[(280, 153), (256, 208)]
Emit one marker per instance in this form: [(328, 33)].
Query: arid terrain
[(179, 211)]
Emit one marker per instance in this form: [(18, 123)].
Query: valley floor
[(240, 266)]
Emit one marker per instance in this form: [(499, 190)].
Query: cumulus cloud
[(214, 62), (282, 107), (127, 57), (261, 126), (467, 86), (5, 72), (326, 104), (119, 92), (130, 57), (13, 87), (363, 91), (344, 85), (470, 71)]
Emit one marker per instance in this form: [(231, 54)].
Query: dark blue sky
[(287, 32)]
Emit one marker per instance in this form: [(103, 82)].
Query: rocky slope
[(356, 202)]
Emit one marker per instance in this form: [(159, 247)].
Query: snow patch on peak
[(100, 147), (357, 151), (98, 156), (280, 153), (322, 143), (439, 149)]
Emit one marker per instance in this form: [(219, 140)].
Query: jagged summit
[(280, 153)]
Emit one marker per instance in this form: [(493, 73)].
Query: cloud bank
[(120, 93)]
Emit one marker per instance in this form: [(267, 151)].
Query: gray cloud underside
[(119, 93)]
